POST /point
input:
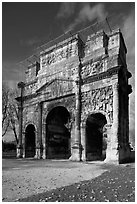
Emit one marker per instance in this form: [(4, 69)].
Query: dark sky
[(25, 26)]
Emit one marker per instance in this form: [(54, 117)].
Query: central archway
[(95, 140), (58, 134), (30, 141)]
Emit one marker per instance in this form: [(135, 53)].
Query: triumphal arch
[(74, 102)]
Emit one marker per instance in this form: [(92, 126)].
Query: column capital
[(21, 84)]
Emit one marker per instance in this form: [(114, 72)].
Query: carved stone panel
[(92, 68), (58, 55), (100, 99), (29, 89), (57, 88)]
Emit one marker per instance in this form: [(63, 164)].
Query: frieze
[(57, 88), (100, 99), (31, 88), (101, 75), (60, 54), (92, 68)]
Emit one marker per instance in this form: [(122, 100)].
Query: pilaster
[(38, 153), (44, 132), (76, 147), (83, 140), (20, 111), (112, 154), (19, 146)]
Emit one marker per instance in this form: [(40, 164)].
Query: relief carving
[(60, 54), (92, 68), (100, 99), (58, 88)]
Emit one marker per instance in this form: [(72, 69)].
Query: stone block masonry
[(74, 102)]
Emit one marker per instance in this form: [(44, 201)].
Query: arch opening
[(58, 134), (30, 141), (96, 137)]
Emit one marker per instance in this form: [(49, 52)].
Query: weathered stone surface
[(75, 81)]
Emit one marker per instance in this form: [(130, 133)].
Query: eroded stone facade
[(74, 81)]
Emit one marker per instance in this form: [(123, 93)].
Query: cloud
[(89, 13), (66, 9), (30, 42)]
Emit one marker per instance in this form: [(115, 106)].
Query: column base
[(44, 154), (83, 158), (38, 154), (76, 153), (19, 152), (112, 156)]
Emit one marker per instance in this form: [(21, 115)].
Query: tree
[(13, 112), (9, 110), (5, 102)]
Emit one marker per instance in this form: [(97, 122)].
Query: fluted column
[(38, 154), (115, 126), (20, 112), (44, 132), (83, 140), (19, 146), (109, 132), (76, 146)]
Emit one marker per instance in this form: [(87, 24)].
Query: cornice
[(101, 76)]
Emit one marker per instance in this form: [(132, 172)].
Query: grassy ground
[(115, 185)]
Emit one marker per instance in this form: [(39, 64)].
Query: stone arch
[(30, 140), (47, 110), (96, 137), (58, 133), (89, 112), (29, 123)]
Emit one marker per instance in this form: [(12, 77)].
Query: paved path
[(24, 177)]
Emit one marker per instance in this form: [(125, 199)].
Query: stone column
[(109, 133), (38, 154), (83, 140), (76, 147), (44, 132), (19, 146), (20, 112), (115, 127), (23, 143)]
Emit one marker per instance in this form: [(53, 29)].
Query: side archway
[(96, 138), (30, 141), (58, 133)]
